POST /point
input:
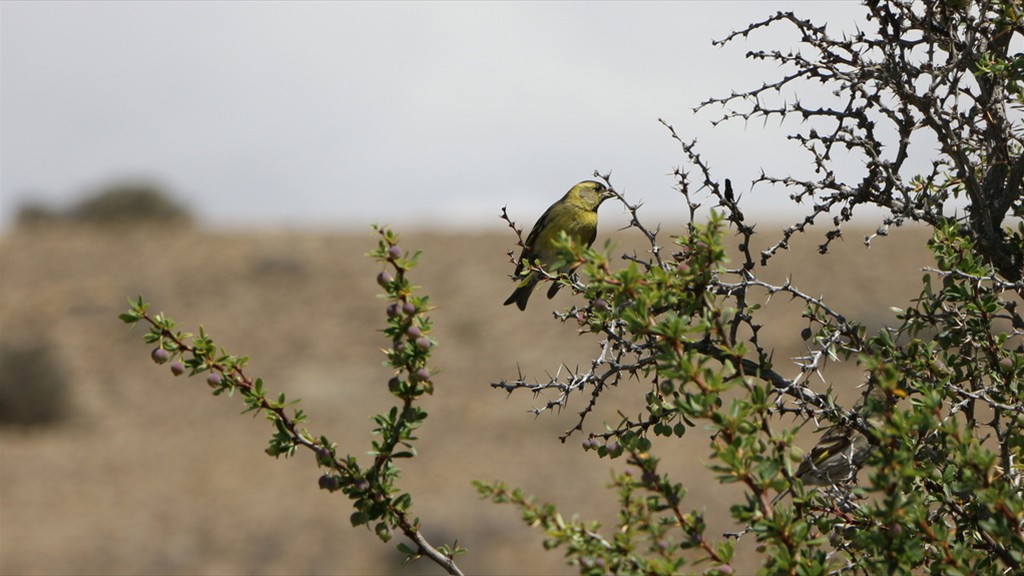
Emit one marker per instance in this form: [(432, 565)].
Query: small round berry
[(214, 379), (392, 310), (324, 456), (414, 331), (423, 343), (600, 304), (394, 252), (394, 384), (806, 333), (423, 374), (409, 308), (330, 482), (384, 279), (177, 368), (160, 355)]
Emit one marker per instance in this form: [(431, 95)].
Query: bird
[(837, 456), (843, 448), (576, 215)]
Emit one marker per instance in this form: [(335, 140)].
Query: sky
[(341, 114)]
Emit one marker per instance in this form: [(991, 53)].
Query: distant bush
[(33, 386), (36, 213), (119, 202), (129, 202)]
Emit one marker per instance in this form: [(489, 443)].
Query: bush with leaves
[(939, 426), (922, 473), (373, 489)]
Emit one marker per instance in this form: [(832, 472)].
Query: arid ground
[(145, 473)]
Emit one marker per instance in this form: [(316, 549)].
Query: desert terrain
[(145, 473)]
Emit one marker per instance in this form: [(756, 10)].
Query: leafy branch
[(378, 503)]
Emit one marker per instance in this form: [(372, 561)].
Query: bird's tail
[(555, 286), (522, 292)]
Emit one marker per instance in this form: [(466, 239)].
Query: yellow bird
[(576, 215)]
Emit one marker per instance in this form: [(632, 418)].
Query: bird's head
[(589, 194)]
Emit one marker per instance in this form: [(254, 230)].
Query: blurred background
[(225, 160), (339, 114)]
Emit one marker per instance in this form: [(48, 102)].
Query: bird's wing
[(529, 250), (590, 239)]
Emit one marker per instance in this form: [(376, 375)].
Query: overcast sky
[(339, 114)]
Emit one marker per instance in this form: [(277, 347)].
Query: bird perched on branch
[(837, 456), (843, 447), (576, 215)]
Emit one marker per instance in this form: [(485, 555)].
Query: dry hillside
[(148, 474)]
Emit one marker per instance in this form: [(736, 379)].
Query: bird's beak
[(608, 194)]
